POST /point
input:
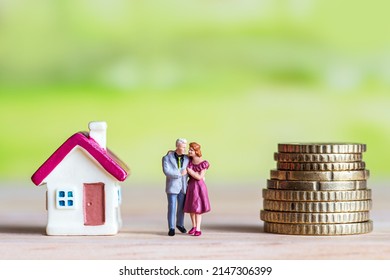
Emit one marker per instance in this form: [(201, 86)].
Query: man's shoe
[(171, 232), (182, 229)]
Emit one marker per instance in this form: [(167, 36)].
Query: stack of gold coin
[(318, 189)]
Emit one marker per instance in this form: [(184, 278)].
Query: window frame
[(65, 199)]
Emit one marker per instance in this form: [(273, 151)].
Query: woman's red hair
[(196, 147)]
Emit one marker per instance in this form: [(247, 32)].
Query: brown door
[(94, 204)]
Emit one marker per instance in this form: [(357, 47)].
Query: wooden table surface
[(232, 230)]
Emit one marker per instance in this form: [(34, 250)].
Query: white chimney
[(97, 131)]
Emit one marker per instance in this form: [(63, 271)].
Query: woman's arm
[(196, 175)]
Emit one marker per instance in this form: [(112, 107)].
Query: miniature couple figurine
[(185, 186)]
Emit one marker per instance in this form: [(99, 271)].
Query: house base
[(85, 230)]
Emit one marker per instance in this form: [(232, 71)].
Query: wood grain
[(232, 230)]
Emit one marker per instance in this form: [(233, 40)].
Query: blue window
[(65, 199), (119, 196)]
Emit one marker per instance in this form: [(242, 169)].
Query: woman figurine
[(197, 199)]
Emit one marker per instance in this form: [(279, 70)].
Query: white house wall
[(118, 194), (77, 168)]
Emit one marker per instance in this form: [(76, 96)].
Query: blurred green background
[(236, 76)]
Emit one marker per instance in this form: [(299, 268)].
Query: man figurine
[(174, 165)]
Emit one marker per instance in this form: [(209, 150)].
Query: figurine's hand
[(184, 172), (189, 171)]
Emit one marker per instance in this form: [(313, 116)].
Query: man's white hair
[(181, 141)]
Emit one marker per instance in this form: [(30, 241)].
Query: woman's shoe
[(197, 233), (192, 231)]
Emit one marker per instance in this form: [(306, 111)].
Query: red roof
[(106, 158)]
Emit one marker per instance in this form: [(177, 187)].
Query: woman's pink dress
[(197, 198)]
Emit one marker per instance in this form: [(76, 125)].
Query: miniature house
[(83, 193)]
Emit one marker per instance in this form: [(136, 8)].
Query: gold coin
[(317, 185), (318, 206), (286, 195), (319, 229), (322, 148), (319, 166), (314, 218), (320, 175), (294, 157)]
